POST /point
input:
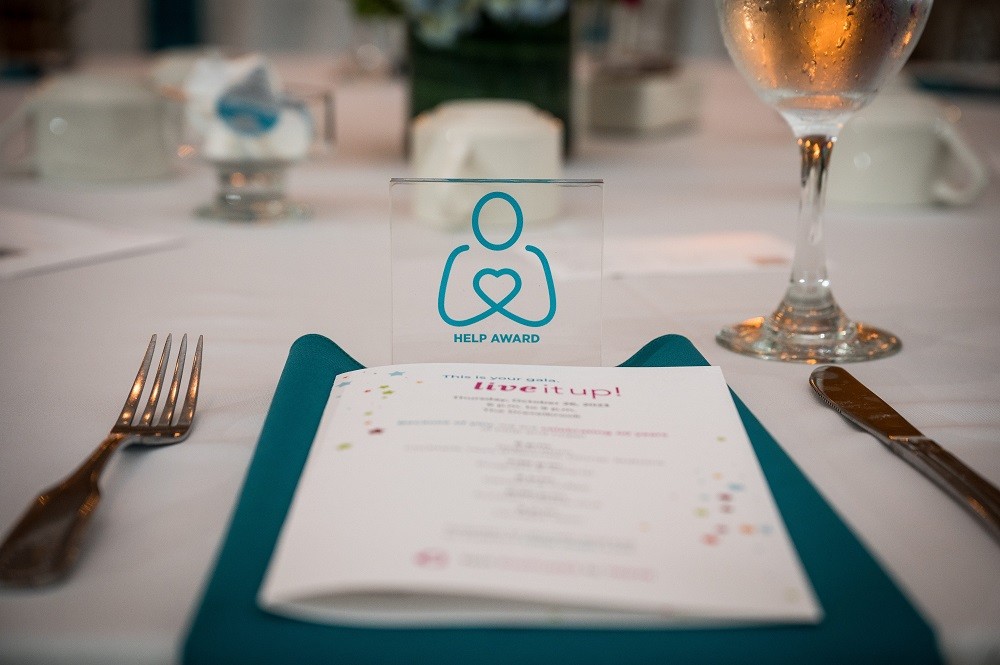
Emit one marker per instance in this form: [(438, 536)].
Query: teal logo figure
[(494, 306)]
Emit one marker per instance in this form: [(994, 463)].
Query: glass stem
[(808, 307)]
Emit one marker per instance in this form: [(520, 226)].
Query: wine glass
[(816, 62)]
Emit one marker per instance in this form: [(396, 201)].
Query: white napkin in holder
[(637, 102), (485, 139)]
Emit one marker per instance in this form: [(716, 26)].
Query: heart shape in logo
[(498, 285)]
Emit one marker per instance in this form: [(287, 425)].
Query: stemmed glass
[(816, 62)]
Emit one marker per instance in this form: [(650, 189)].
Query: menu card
[(458, 494)]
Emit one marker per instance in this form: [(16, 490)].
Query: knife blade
[(861, 406)]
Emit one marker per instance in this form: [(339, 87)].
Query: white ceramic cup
[(902, 150), (91, 128), (485, 139)]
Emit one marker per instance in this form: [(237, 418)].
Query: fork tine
[(128, 411), (154, 391), (191, 399), (175, 384)]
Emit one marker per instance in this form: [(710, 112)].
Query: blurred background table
[(70, 338)]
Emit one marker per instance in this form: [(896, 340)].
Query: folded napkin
[(700, 253), (867, 619), (34, 242), (694, 254)]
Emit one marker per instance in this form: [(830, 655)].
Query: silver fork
[(43, 546)]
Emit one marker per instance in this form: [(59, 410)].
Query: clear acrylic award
[(502, 271)]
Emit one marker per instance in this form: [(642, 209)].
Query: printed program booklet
[(458, 494)]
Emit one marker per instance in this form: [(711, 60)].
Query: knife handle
[(973, 491)]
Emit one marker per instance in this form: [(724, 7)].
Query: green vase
[(497, 61)]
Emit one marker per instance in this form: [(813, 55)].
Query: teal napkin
[(867, 619)]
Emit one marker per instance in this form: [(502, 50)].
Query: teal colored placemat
[(867, 619)]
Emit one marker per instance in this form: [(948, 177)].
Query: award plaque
[(502, 271)]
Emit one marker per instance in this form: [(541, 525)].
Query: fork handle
[(43, 546)]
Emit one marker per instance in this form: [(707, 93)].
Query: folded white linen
[(33, 242)]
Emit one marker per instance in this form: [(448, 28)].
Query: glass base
[(252, 190), (255, 212), (852, 342)]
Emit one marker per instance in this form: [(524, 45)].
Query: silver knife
[(861, 406)]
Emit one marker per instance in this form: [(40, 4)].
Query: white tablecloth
[(70, 340)]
